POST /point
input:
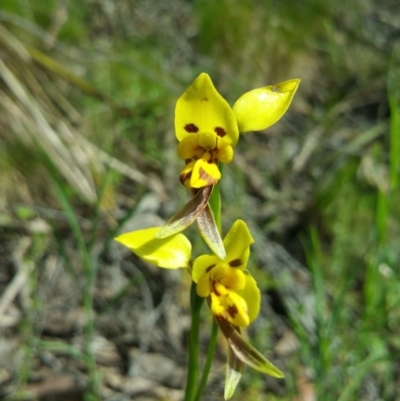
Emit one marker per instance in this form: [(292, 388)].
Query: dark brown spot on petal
[(205, 99), (220, 131), (191, 128), (232, 310), (210, 267), (235, 263), (184, 177)]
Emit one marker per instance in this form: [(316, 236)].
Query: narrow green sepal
[(234, 370), (209, 231), (245, 352), (187, 214)]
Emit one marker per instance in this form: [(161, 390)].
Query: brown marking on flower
[(203, 175), (205, 99), (232, 310), (220, 131), (210, 158), (210, 267), (235, 263), (214, 290), (183, 177), (191, 128)]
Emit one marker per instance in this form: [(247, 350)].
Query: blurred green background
[(87, 96)]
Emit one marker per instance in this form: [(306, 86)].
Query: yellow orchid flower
[(232, 293), (234, 300), (207, 127)]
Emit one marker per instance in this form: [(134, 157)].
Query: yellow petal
[(237, 243), (263, 107), (251, 294), (225, 153), (202, 109), (202, 265), (203, 286), (186, 174), (171, 253), (187, 148), (204, 174)]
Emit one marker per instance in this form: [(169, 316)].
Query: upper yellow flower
[(207, 127)]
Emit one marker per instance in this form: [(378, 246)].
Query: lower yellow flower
[(234, 300), (232, 291), (233, 295)]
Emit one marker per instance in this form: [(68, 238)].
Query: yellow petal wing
[(171, 253), (251, 294), (202, 265), (237, 243), (260, 108)]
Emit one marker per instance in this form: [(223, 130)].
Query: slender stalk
[(193, 365), (215, 205), (210, 356)]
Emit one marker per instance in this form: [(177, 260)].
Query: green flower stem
[(210, 356), (215, 205), (196, 303)]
